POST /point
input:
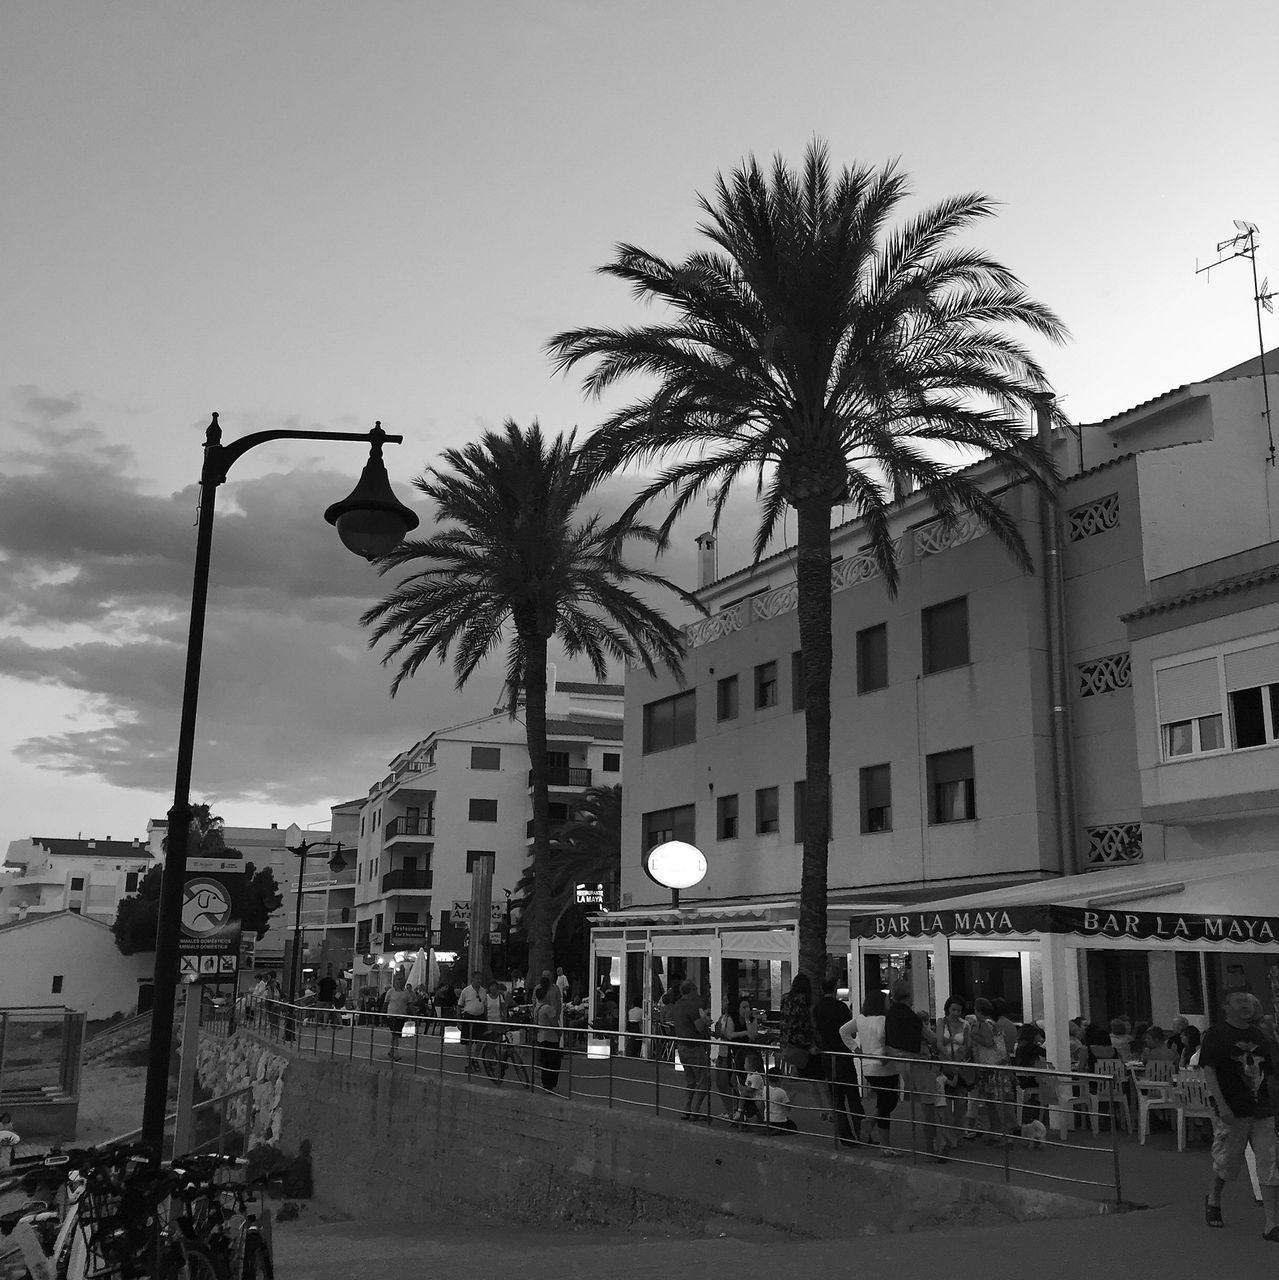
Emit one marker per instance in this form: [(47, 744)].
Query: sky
[(320, 215)]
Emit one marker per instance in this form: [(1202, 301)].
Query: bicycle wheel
[(516, 1065), (189, 1262), (257, 1260)]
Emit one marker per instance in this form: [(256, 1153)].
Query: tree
[(586, 850), (516, 563), (255, 896), (825, 355)]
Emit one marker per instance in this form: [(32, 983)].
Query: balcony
[(333, 917), (406, 881), (410, 828), (564, 776)]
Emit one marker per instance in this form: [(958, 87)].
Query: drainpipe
[(1059, 689)]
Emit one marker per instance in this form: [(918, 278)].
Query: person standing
[(325, 994), (547, 1017), (690, 1024), (989, 1050), (864, 1035), (561, 981), (801, 1049), (8, 1140), (472, 1013), (1237, 1060), (846, 1110), (954, 1047), (397, 1010), (907, 1036)]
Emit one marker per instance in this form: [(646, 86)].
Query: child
[(771, 1099)]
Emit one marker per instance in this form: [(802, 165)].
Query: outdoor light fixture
[(452, 1035), (371, 521), (597, 1048)]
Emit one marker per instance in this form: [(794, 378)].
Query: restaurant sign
[(1090, 922)]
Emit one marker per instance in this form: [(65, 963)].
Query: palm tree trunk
[(814, 582), (540, 936)]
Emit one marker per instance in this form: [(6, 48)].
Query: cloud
[(95, 583)]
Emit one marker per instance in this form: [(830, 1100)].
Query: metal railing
[(563, 775), (223, 1124), (402, 879), (966, 1117), (421, 826)]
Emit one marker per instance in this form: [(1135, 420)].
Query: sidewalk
[(1171, 1241)]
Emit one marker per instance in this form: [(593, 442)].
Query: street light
[(299, 848), (371, 521)]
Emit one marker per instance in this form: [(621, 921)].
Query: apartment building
[(948, 785), (47, 874), (462, 791)]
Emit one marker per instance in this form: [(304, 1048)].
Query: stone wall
[(226, 1064), (387, 1144)]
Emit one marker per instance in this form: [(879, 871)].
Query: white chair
[(1154, 1093), (1112, 1091), (1190, 1089), (1063, 1097)]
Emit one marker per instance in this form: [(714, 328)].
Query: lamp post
[(371, 522), (299, 848)]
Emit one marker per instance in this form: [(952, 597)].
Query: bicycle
[(502, 1054)]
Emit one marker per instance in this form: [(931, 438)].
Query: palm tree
[(587, 849), (518, 563), (824, 354)]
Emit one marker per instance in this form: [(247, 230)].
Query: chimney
[(707, 560)]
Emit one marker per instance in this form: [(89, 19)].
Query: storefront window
[(1190, 987)]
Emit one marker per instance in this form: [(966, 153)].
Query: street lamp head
[(337, 863), (371, 520)]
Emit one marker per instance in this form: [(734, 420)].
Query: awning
[(1228, 899)]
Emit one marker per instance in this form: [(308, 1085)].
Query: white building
[(465, 790), (66, 958), (47, 874), (948, 787)]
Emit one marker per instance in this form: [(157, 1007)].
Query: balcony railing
[(410, 827), (564, 776), (321, 919), (394, 881)]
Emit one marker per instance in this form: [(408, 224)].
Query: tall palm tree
[(587, 849), (823, 353), (516, 562)]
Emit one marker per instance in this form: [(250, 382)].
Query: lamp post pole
[(370, 502), (336, 863)]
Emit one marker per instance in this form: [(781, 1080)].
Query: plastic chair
[(1112, 1091), (1190, 1089), (1154, 1093)]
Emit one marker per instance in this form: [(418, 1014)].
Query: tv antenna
[(1243, 244)]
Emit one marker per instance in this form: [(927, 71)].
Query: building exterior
[(462, 791), (68, 958), (328, 896), (948, 782), (48, 874)]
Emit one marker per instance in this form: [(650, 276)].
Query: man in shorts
[(907, 1035), (1236, 1058)]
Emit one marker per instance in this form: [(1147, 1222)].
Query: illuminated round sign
[(676, 865)]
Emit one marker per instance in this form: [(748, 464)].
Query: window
[(797, 680), (872, 659), (766, 685), (1192, 737), (726, 698), (766, 811), (612, 762), (77, 884), (876, 784), (669, 824), (377, 923), (57, 985), (486, 757), (472, 854), (482, 811), (950, 786), (406, 917), (361, 824), (726, 818), (1254, 716), (131, 882), (945, 628), (670, 722), (801, 799)]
